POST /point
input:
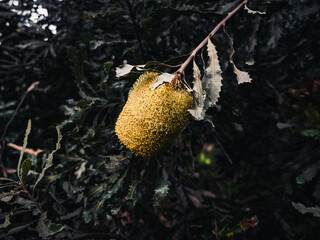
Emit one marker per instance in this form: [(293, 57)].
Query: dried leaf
[(163, 78), (123, 70), (242, 77)]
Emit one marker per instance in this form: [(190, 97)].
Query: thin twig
[(136, 28), (223, 150), (191, 154), (2, 140), (180, 71)]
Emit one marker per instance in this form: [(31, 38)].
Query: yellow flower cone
[(151, 119)]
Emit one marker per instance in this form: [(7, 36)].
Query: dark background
[(269, 129)]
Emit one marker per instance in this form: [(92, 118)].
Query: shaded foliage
[(88, 185)]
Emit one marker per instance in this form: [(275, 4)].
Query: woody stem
[(180, 71)]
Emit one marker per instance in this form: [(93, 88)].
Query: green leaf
[(6, 221), (212, 79), (308, 174), (25, 142), (116, 186), (48, 161), (198, 111), (129, 49), (161, 191), (25, 167), (303, 209), (313, 133), (87, 217), (46, 228)]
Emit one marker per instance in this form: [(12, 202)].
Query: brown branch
[(30, 196), (180, 71), (2, 140), (27, 150)]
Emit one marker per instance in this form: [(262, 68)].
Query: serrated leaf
[(313, 133), (116, 186), (48, 161), (46, 228), (212, 79), (308, 174), (161, 191), (6, 196), (303, 209), (242, 76), (253, 11), (25, 167), (198, 111), (132, 190), (25, 142), (162, 78)]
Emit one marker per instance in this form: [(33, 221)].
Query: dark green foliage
[(85, 184)]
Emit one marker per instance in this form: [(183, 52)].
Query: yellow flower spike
[(151, 119)]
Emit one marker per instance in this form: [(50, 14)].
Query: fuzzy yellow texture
[(151, 119)]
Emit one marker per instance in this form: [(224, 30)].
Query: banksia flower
[(151, 119)]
